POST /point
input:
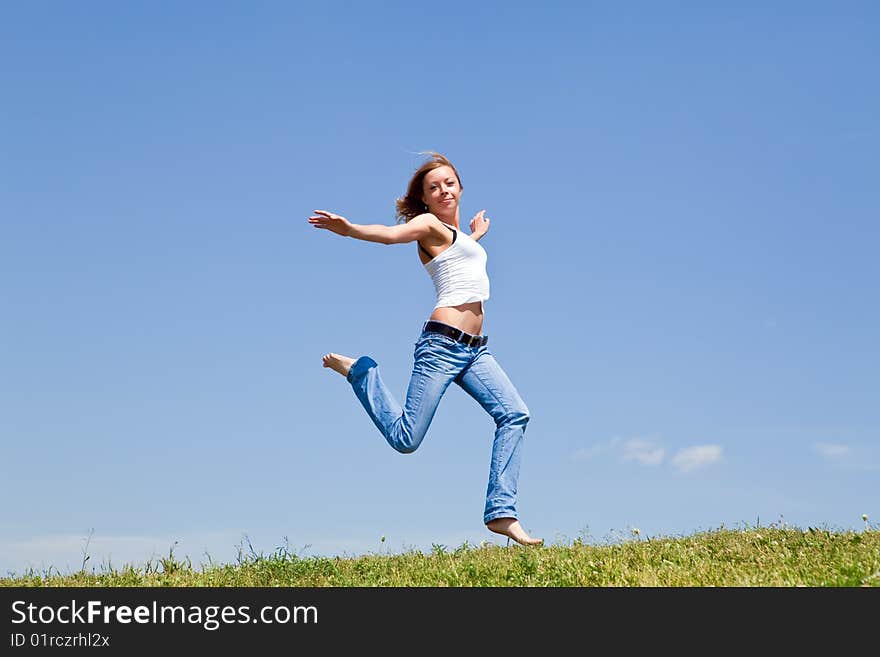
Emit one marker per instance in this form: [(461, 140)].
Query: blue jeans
[(438, 361)]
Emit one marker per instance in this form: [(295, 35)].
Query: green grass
[(761, 556)]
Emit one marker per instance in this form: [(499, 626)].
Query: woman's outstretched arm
[(415, 229)]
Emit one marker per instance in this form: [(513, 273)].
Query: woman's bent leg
[(485, 381), (403, 428)]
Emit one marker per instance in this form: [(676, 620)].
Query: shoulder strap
[(454, 235)]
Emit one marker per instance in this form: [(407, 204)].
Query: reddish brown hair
[(411, 204)]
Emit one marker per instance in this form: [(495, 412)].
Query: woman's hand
[(479, 225), (332, 222)]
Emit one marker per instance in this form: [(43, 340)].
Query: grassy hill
[(761, 556)]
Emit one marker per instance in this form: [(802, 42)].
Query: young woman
[(451, 347)]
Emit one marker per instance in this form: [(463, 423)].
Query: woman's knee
[(406, 441), (518, 415), (406, 447)]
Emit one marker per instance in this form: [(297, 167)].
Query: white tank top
[(459, 272)]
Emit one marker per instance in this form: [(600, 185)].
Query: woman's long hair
[(411, 204)]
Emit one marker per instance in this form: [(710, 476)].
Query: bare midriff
[(468, 316)]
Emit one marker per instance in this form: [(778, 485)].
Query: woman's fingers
[(329, 215), (324, 217)]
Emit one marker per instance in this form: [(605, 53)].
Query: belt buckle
[(473, 340)]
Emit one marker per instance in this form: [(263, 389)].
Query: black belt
[(456, 334)]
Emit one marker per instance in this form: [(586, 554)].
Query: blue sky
[(683, 262)]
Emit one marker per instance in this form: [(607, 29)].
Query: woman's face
[(441, 191)]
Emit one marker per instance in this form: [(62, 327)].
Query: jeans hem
[(499, 514), (359, 368)]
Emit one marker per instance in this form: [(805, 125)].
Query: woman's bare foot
[(511, 528), (338, 363)]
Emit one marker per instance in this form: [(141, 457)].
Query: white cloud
[(858, 457), (648, 453), (832, 450), (643, 452), (691, 458)]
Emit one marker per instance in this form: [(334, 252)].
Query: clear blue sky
[(683, 258)]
